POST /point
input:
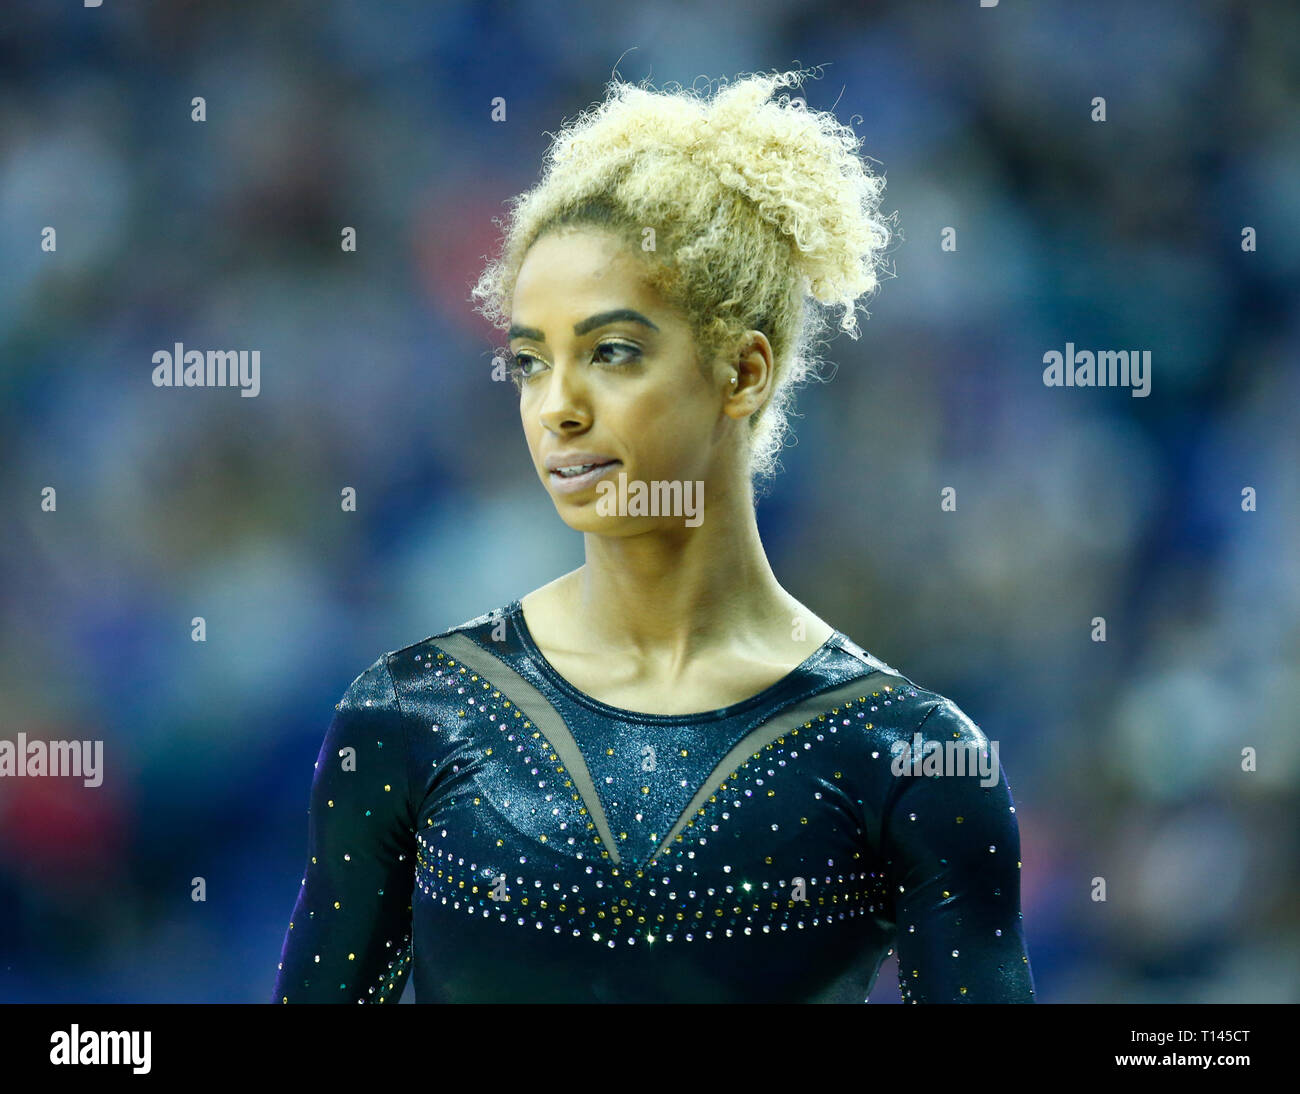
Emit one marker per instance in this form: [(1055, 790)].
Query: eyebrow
[(604, 318)]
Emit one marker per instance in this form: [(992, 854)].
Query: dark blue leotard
[(480, 826)]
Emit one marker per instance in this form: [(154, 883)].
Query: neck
[(680, 592)]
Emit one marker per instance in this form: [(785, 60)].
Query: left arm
[(952, 846)]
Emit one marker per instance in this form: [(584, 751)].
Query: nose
[(565, 405)]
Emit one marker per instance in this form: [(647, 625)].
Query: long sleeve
[(349, 937), (953, 847)]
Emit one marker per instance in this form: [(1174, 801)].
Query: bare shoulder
[(543, 615), (809, 626)]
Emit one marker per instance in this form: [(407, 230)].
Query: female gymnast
[(660, 777)]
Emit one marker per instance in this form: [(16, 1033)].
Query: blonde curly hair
[(764, 217)]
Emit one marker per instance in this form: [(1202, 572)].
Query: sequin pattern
[(480, 825)]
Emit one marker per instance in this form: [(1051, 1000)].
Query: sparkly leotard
[(479, 824)]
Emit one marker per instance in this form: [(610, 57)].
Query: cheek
[(671, 432), (680, 402), (528, 421)]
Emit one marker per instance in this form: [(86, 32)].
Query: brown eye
[(519, 365), (631, 353)]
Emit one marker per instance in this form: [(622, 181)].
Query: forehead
[(572, 270)]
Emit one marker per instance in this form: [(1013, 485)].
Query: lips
[(576, 457), (580, 468), (573, 483)]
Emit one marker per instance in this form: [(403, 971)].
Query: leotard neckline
[(769, 694)]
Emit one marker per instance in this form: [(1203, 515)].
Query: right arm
[(349, 937)]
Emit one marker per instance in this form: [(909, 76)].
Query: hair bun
[(799, 167), (801, 170)]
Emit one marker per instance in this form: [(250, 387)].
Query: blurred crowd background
[(1124, 756)]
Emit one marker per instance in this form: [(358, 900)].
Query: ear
[(750, 375)]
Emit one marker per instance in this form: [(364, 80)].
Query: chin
[(583, 517)]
